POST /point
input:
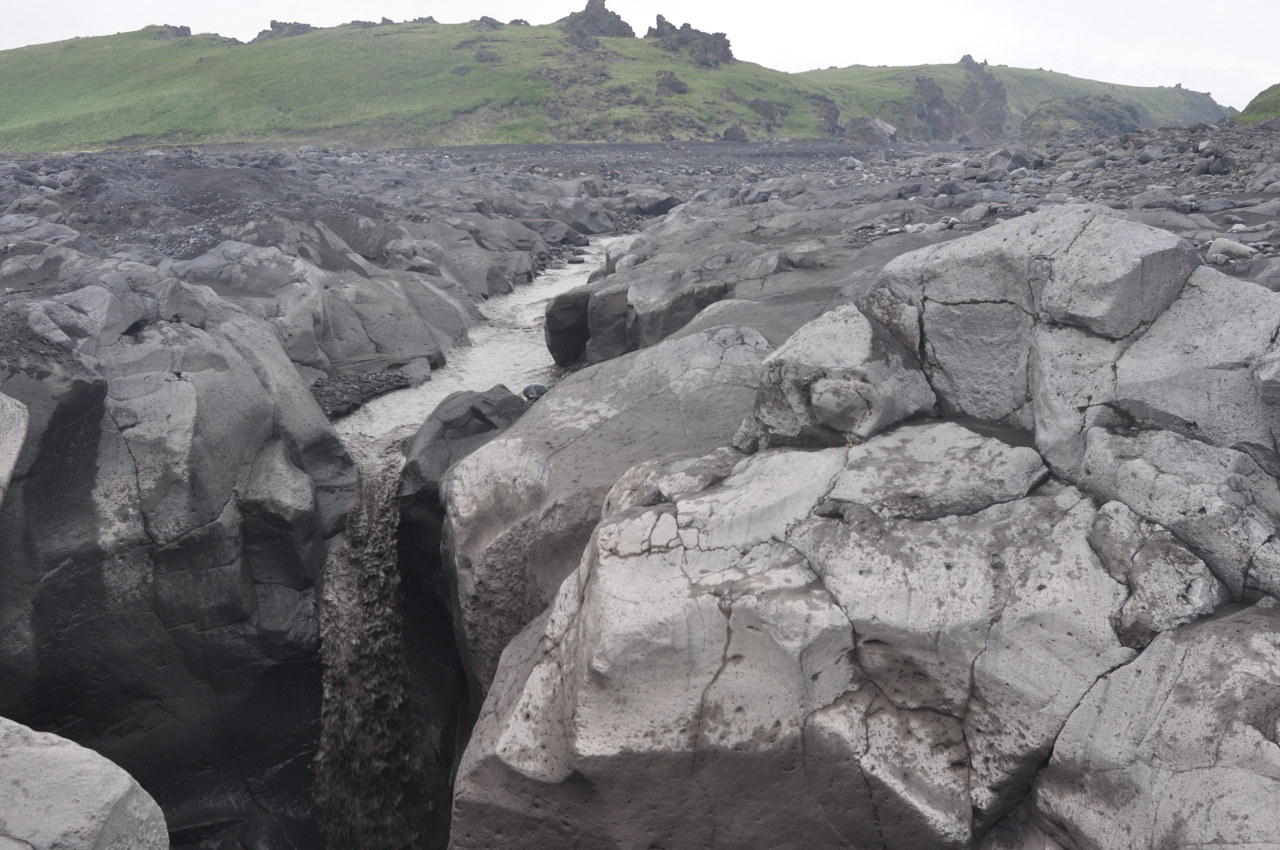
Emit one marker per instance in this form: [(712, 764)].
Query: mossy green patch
[(1265, 105)]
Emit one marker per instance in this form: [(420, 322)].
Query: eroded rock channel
[(888, 498)]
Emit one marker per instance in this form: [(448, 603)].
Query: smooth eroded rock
[(55, 794)]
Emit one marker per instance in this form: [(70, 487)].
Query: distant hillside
[(1265, 105), (942, 101), (582, 79)]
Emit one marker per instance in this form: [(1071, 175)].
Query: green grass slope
[(885, 91), (428, 83), (389, 84), (1265, 105)]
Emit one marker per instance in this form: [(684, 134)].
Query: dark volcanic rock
[(162, 540), (708, 50), (596, 20), (283, 29), (984, 100), (669, 84)]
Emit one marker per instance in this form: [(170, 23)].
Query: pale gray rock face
[(519, 511), (57, 795), (1168, 585), (1177, 749), (837, 379), (13, 430), (1202, 367), (1070, 320), (1019, 325), (1217, 501), (870, 647)]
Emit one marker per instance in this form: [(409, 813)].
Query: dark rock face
[(596, 20), (828, 115), (669, 84), (396, 701), (938, 115), (772, 111), (1100, 113), (176, 491), (980, 114), (708, 50), (283, 29), (163, 539), (393, 693), (984, 100)]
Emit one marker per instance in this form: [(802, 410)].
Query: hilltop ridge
[(585, 78)]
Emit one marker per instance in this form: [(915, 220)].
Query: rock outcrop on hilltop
[(596, 20), (708, 50), (283, 29)]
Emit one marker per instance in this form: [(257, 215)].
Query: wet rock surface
[(876, 475)]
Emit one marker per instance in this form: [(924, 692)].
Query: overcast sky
[(1227, 49)]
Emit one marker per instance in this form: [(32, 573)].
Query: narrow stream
[(388, 740), (508, 349)]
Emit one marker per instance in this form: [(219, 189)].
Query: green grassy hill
[(892, 93), (428, 83), (875, 88), (1265, 105)]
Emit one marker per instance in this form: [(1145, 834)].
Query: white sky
[(1227, 49)]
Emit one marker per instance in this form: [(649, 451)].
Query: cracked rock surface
[(983, 485), (520, 509), (963, 611), (875, 646)]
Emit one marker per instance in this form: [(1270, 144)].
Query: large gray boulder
[(56, 795), (1208, 367), (1177, 749), (873, 646), (1072, 319), (519, 510), (978, 303), (838, 379)]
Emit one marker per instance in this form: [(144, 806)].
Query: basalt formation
[(891, 497)]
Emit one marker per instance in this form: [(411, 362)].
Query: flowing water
[(508, 349), (382, 770)]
